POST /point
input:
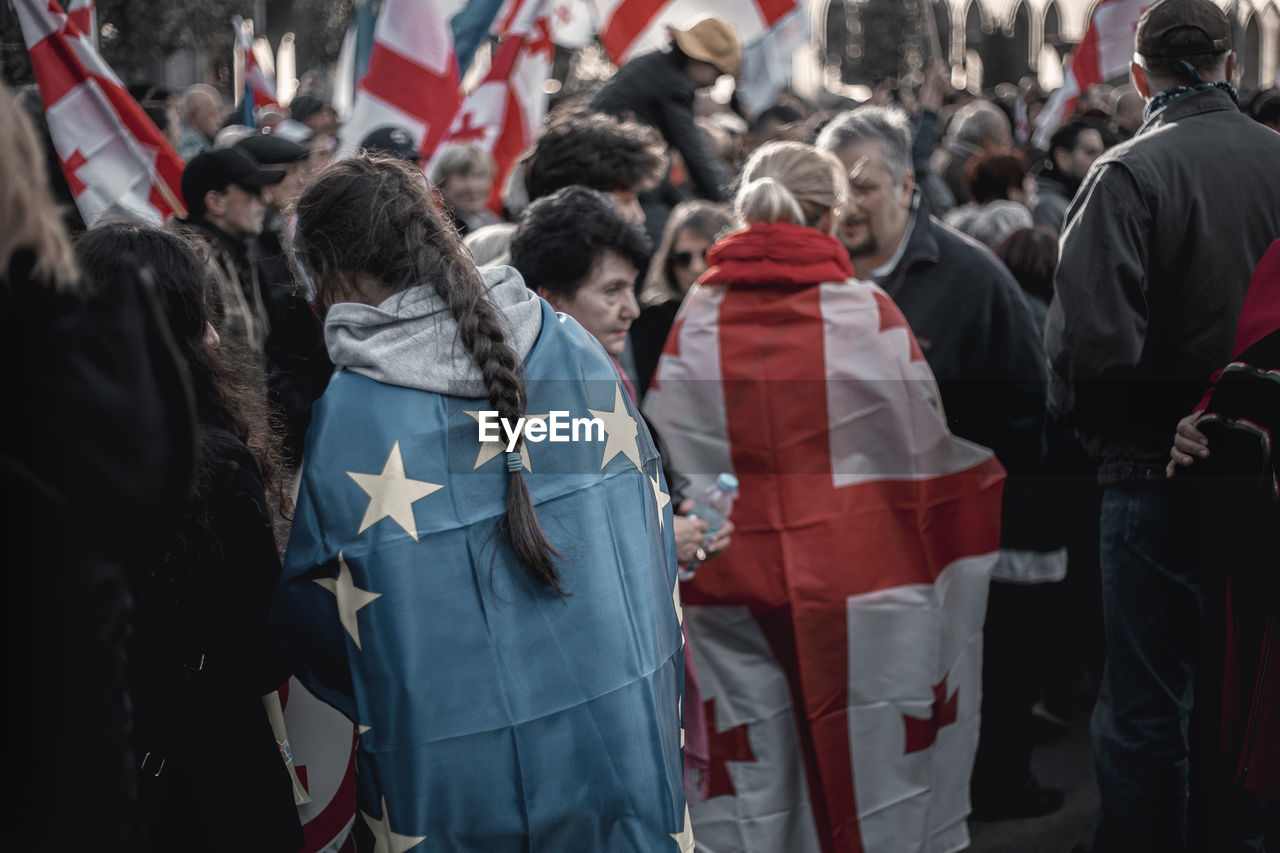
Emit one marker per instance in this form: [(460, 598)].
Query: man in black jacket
[(298, 366), (226, 191), (1157, 251), (658, 89), (1072, 150)]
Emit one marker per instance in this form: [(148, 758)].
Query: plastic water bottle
[(713, 505)]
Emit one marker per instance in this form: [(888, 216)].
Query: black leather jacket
[(654, 89)]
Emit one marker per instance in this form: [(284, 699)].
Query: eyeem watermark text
[(555, 426)]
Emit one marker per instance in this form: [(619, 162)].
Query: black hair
[(563, 236), (370, 225), (1067, 137), (1265, 107), (780, 113), (227, 382), (594, 150)]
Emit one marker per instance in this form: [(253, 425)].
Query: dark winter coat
[(298, 365), (204, 663), (977, 332), (656, 91), (96, 459), (1157, 251)]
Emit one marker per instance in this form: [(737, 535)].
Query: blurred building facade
[(1001, 41)]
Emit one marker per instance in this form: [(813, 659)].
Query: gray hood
[(411, 340)]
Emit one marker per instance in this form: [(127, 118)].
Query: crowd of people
[(244, 447)]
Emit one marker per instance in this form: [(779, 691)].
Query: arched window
[(1006, 53), (1251, 54)]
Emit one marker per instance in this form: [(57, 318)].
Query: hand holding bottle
[(713, 507)]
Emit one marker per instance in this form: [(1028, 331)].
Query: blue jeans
[(1153, 617)]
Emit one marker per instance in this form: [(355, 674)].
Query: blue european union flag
[(495, 714)]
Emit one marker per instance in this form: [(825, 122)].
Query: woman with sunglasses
[(681, 257)]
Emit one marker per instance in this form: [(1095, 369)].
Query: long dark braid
[(368, 229)]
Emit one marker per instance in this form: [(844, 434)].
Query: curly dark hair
[(228, 383), (594, 150), (563, 236), (367, 229)]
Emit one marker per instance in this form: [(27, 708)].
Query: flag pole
[(175, 204), (935, 44)]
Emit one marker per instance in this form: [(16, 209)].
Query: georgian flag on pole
[(504, 113), (1105, 52), (839, 640), (413, 75), (116, 162), (771, 31)]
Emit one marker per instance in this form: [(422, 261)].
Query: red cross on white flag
[(505, 111), (116, 161), (412, 80), (838, 640)]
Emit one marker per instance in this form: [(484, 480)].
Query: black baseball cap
[(392, 140), (1209, 29), (218, 168), (272, 150)]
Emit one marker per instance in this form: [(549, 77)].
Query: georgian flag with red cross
[(838, 640), (116, 161), (503, 115), (413, 76)]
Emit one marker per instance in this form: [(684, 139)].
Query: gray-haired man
[(977, 332)]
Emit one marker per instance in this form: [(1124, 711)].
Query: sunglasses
[(685, 259)]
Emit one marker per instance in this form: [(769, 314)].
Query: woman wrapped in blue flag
[(497, 616)]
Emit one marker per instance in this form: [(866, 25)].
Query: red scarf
[(781, 254)]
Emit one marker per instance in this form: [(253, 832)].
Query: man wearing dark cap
[(315, 113), (391, 141), (298, 366), (227, 191), (1157, 251)]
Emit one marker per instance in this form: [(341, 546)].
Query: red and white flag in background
[(839, 640), (259, 87), (323, 744), (771, 30), (116, 162), (412, 80), (84, 13), (504, 113), (1105, 52)]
